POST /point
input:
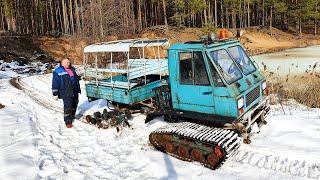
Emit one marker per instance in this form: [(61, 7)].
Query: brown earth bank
[(259, 40), (21, 49), (256, 40)]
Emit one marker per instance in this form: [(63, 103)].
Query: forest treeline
[(107, 17)]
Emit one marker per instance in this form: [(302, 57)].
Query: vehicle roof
[(202, 45), (125, 45)]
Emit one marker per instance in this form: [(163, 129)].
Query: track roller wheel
[(213, 160), (183, 152), (169, 147), (88, 118), (113, 121), (197, 155), (167, 137), (218, 151)]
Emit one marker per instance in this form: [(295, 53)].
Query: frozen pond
[(292, 61)]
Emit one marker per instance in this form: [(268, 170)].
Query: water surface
[(292, 61)]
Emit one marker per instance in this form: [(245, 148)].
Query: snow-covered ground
[(35, 143)]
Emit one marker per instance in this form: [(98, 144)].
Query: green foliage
[(8, 7), (179, 8), (304, 10), (179, 15), (209, 27), (311, 9), (196, 5), (277, 6)]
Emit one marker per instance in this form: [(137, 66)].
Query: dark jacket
[(62, 85)]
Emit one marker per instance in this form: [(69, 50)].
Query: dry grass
[(305, 89)]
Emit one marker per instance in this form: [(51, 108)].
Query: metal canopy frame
[(124, 45), (146, 66)]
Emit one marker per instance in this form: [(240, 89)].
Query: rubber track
[(228, 140)]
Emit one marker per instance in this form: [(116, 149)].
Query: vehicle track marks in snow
[(37, 96), (277, 163)]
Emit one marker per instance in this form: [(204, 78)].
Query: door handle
[(207, 93)]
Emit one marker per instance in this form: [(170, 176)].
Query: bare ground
[(259, 41), (256, 41)]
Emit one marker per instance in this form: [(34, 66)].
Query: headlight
[(264, 85), (240, 103)]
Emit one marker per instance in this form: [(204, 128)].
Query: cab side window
[(215, 76), (186, 72), (193, 69)]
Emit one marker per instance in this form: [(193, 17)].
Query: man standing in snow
[(65, 85)]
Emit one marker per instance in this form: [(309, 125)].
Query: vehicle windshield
[(242, 59), (226, 65)]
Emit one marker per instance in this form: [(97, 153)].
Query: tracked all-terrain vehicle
[(210, 91)]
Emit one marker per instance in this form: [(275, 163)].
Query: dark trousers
[(70, 107)]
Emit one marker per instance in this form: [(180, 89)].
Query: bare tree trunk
[(315, 23), (300, 27), (216, 13), (71, 16), (32, 21), (227, 17), (271, 19), (165, 13), (59, 18), (222, 15), (82, 18), (210, 15), (101, 19), (64, 17), (77, 17), (133, 17), (93, 22), (126, 19), (139, 16), (52, 17), (315, 27), (233, 16), (1, 19), (47, 22), (42, 31), (205, 16), (6, 17), (145, 15), (263, 14), (248, 15)]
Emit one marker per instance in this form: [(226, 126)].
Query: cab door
[(193, 90)]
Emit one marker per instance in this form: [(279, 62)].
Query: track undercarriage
[(195, 142), (188, 137), (192, 137)]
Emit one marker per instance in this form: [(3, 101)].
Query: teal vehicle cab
[(217, 83)]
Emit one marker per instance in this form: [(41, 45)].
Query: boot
[(69, 125)]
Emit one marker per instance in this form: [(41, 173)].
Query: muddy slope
[(14, 47)]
